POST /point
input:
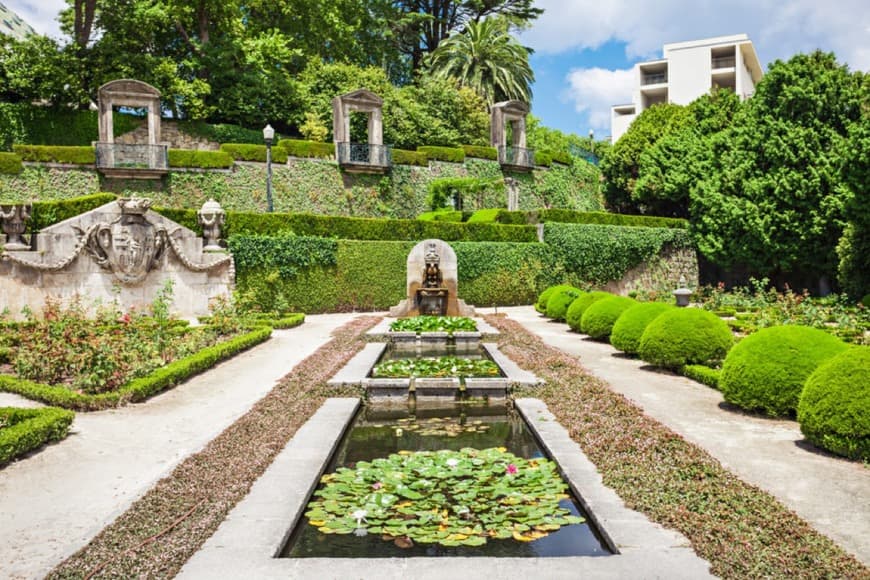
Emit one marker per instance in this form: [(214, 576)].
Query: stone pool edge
[(246, 543)]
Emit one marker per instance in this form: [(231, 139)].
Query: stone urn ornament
[(211, 216), (13, 218)]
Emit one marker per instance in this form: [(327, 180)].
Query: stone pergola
[(372, 156), (514, 156), (147, 160)]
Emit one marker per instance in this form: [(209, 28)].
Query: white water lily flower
[(452, 462), (359, 516)]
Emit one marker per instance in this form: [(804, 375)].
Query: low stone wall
[(102, 257)]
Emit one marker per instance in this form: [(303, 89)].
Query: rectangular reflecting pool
[(462, 457)]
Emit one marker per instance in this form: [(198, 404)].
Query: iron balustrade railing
[(516, 156), (364, 154), (654, 79), (724, 62), (132, 156)]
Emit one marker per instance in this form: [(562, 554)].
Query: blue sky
[(584, 49)]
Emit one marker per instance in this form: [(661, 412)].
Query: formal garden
[(723, 245)]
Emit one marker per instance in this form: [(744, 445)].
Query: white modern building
[(687, 71), (12, 25)]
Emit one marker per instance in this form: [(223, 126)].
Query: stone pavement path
[(54, 502), (830, 493)]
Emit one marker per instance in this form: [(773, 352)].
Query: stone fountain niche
[(432, 283)]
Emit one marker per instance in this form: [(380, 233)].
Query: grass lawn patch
[(741, 530), (158, 533)]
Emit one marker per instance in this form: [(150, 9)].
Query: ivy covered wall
[(315, 186)]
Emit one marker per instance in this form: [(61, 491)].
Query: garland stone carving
[(130, 246)]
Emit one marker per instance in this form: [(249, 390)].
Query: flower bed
[(66, 359)]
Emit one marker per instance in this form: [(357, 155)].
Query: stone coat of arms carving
[(129, 247)]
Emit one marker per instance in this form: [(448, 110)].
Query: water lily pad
[(446, 497)]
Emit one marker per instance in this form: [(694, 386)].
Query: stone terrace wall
[(661, 273)]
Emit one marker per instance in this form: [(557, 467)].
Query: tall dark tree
[(774, 196), (421, 25)]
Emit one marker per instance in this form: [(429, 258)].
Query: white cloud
[(41, 14), (594, 90), (778, 29)]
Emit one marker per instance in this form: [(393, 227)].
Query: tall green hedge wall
[(315, 186), (602, 253), (322, 275)]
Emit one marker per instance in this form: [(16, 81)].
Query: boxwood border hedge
[(29, 429)]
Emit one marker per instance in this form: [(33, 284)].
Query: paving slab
[(55, 501), (832, 494)]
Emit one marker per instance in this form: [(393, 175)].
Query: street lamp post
[(268, 135)]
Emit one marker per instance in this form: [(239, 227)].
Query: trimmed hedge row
[(251, 152), (351, 228), (28, 429), (702, 374), (10, 163), (46, 213), (404, 157), (450, 154), (568, 216), (141, 388), (201, 159), (300, 148), (481, 152), (543, 159), (76, 155)]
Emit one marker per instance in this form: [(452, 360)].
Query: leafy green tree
[(677, 161), (486, 58), (773, 199), (621, 165)]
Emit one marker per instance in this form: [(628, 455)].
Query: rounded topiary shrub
[(766, 371), (579, 306), (597, 321), (629, 327), (559, 302), (541, 304), (834, 408), (685, 336)]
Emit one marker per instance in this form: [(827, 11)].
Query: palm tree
[(486, 58)]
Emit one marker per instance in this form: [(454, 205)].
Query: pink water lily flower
[(511, 469), (377, 485)]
